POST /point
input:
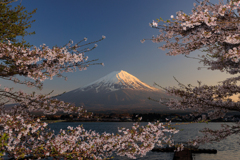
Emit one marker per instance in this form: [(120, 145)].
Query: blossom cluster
[(42, 63), (23, 136), (214, 29), (34, 102), (32, 139), (39, 64), (210, 135)]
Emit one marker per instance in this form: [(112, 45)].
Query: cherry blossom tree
[(214, 29), (22, 136), (14, 22)]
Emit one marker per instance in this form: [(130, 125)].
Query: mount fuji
[(114, 81), (117, 92)]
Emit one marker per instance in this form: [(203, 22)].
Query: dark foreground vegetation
[(148, 117)]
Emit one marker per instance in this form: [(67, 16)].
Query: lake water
[(226, 150)]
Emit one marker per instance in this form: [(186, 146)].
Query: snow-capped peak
[(115, 81)]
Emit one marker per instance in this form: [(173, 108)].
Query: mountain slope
[(118, 92), (115, 81)]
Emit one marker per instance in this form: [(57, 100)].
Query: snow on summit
[(115, 81)]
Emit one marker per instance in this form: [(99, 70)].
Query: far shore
[(53, 121), (56, 121)]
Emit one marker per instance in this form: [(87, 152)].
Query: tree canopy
[(22, 136), (14, 23), (213, 29)]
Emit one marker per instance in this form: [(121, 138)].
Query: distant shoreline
[(57, 121)]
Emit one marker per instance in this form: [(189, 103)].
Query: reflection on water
[(227, 149)]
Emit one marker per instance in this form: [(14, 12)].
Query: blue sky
[(124, 23)]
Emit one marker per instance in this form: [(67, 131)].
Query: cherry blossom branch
[(215, 29), (34, 140), (27, 138)]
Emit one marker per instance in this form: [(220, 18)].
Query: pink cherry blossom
[(28, 137), (214, 28)]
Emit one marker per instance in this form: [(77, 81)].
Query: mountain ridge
[(117, 92), (117, 80)]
